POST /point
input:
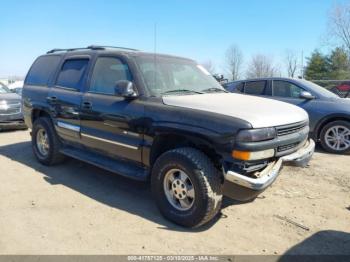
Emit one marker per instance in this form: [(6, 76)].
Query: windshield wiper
[(182, 91), (214, 89)]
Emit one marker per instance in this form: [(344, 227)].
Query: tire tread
[(55, 156), (210, 180)]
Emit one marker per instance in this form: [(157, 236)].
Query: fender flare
[(329, 118)]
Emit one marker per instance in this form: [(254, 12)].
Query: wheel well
[(39, 113), (326, 122), (164, 143)]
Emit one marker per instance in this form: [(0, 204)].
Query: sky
[(198, 29)]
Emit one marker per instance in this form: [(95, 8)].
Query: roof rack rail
[(107, 46), (92, 47), (64, 50)]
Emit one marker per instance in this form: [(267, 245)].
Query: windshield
[(318, 89), (168, 75), (4, 89)]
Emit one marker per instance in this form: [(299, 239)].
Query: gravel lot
[(75, 208)]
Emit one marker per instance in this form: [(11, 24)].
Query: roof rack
[(113, 47), (91, 47)]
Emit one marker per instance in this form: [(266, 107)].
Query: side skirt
[(120, 167)]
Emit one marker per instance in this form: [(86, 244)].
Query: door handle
[(51, 99), (87, 105)]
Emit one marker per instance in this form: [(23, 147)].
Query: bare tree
[(260, 66), (339, 24), (291, 61), (234, 61), (209, 65)]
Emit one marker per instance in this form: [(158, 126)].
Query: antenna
[(155, 38), (302, 64)]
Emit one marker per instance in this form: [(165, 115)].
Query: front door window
[(286, 89)]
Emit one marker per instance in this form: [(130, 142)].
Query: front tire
[(45, 142), (335, 137), (187, 187)]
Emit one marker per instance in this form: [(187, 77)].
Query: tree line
[(335, 65)]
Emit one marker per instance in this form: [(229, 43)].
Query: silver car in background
[(11, 116)]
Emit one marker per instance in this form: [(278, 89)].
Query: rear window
[(255, 88), (71, 74), (42, 70)]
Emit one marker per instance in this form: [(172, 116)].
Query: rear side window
[(255, 88), (42, 70), (71, 74)]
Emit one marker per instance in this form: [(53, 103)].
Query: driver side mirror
[(306, 95), (125, 89)]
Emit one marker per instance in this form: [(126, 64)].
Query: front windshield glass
[(4, 89), (319, 89), (169, 76)]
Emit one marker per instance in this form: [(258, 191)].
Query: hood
[(259, 112), (344, 100), (335, 105), (10, 97)]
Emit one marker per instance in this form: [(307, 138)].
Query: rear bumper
[(248, 187)]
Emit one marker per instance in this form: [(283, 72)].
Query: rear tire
[(45, 142), (193, 196), (335, 137)]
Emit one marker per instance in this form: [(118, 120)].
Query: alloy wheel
[(338, 138), (179, 189), (42, 142)]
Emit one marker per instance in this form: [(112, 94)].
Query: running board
[(119, 167)]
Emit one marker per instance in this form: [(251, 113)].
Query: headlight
[(255, 135), (257, 155), (3, 105)]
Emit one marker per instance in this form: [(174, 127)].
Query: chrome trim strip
[(130, 133), (68, 126), (109, 141)]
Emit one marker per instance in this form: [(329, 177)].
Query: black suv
[(163, 118)]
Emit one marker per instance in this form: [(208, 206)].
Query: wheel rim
[(42, 142), (338, 138), (179, 189)]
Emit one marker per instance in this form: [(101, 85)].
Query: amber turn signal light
[(242, 155)]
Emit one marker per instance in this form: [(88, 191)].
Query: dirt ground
[(75, 208)]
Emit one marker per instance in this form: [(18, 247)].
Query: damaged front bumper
[(240, 187)]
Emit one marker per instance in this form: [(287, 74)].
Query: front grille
[(286, 147), (12, 109), (290, 129)]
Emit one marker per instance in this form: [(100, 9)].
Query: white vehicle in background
[(16, 87)]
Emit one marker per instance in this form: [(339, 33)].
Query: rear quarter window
[(42, 70), (234, 87), (239, 87)]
